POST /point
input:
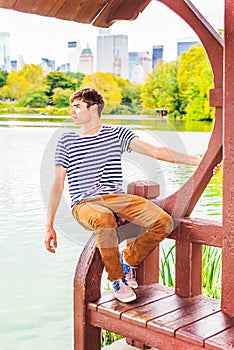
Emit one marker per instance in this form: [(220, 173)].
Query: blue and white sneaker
[(129, 272), (123, 292)]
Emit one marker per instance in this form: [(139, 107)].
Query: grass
[(211, 269)]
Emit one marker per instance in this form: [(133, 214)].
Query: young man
[(91, 160)]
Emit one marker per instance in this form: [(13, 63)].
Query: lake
[(36, 286)]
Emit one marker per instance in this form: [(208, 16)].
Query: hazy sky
[(35, 37)]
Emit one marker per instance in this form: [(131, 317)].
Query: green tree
[(195, 80), (61, 97), (161, 89), (35, 97), (3, 77), (107, 85), (131, 93), (79, 77), (58, 80)]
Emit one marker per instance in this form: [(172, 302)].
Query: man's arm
[(162, 153), (55, 197)]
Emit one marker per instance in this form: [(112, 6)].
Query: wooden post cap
[(144, 188)]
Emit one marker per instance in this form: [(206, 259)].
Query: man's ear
[(94, 108)]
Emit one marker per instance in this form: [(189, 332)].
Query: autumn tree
[(18, 83), (109, 88)]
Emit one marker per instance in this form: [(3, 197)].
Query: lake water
[(36, 286)]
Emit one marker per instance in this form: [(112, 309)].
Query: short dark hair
[(90, 96)]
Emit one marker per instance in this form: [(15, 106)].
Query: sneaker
[(123, 292), (130, 273)]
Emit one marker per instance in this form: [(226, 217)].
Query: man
[(91, 160)]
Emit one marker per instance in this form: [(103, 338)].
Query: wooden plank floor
[(161, 319)]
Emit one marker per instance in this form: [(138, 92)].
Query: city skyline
[(35, 37)]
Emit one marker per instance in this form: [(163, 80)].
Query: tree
[(79, 77), (61, 97), (35, 97), (3, 77), (18, 83), (195, 80), (58, 80), (107, 85), (16, 86), (161, 90), (33, 74)]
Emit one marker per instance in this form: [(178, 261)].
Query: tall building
[(112, 54), (74, 50), (86, 61), (20, 63), (65, 67), (157, 55), (140, 65), (5, 61), (47, 65), (184, 45)]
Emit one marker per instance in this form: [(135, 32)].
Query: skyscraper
[(112, 54), (86, 61), (5, 61), (74, 50), (157, 55), (185, 44), (140, 64)]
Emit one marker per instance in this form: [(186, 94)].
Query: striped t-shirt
[(93, 162)]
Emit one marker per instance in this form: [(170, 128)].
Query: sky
[(35, 37)]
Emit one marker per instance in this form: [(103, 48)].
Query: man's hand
[(217, 168), (50, 239)]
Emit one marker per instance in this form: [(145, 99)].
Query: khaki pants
[(99, 215)]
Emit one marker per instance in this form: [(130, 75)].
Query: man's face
[(80, 112)]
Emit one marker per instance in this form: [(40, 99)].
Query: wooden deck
[(160, 317)]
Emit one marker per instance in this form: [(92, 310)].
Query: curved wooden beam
[(183, 201)]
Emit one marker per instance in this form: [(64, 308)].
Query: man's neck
[(92, 130)]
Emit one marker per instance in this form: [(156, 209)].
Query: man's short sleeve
[(61, 154), (125, 136)]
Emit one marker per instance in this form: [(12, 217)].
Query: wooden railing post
[(228, 165), (148, 271), (188, 274)]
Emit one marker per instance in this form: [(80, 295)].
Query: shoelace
[(116, 284)]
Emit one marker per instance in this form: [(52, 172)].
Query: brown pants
[(97, 215)]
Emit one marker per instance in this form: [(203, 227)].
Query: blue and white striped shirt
[(93, 162)]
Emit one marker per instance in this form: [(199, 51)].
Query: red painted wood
[(148, 271), (88, 273), (145, 295), (143, 188), (153, 310), (116, 10), (228, 164), (139, 333), (201, 231), (192, 310), (223, 340), (199, 331), (188, 278)]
